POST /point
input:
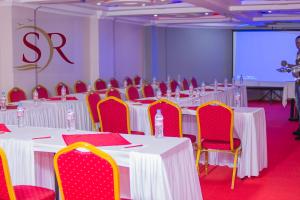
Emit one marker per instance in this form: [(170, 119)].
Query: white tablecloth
[(161, 169), (249, 126)]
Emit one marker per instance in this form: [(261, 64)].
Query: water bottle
[(169, 79), (159, 124), (225, 83), (20, 115), (169, 92), (202, 88), (125, 84), (178, 78), (191, 89), (35, 96), (177, 93), (233, 82), (158, 94), (3, 101), (89, 89), (154, 80), (70, 119), (216, 85), (241, 80), (63, 93), (237, 99)]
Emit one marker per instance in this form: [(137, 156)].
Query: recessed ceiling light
[(269, 11), (98, 4), (143, 4), (155, 15), (206, 13)]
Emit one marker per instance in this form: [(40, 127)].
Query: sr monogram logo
[(32, 64)]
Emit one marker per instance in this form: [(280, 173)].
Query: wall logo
[(32, 63)]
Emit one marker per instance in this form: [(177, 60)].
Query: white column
[(6, 47)]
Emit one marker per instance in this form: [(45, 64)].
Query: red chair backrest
[(92, 99), (92, 174), (59, 86), (185, 84), (80, 87), (172, 117), (113, 115), (148, 91), (137, 80), (194, 83), (113, 92), (132, 93), (173, 85), (42, 91), (215, 121), (114, 83), (100, 84), (16, 94), (6, 188), (129, 81), (163, 88)]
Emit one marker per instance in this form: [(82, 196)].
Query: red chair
[(215, 133), (114, 83), (92, 99), (163, 88), (114, 116), (137, 80), (80, 87), (194, 82), (173, 84), (147, 91), (185, 84), (99, 84), (132, 93), (88, 174), (19, 192), (42, 91), (172, 119), (59, 86), (129, 81), (16, 94), (113, 92)]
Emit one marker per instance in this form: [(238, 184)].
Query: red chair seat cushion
[(192, 137), (137, 133), (27, 192), (213, 144)]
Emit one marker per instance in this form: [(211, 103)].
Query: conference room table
[(162, 168), (249, 127)]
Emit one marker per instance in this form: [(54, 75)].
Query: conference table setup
[(150, 167)]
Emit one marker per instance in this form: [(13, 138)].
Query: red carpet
[(280, 181)]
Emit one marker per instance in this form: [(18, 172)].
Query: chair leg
[(206, 162), (234, 168), (197, 160)]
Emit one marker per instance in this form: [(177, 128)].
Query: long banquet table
[(160, 169)]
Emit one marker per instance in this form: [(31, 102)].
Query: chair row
[(215, 124)]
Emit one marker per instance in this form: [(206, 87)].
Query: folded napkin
[(11, 107), (3, 128), (59, 98), (110, 139), (144, 101)]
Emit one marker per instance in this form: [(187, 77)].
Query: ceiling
[(282, 14)]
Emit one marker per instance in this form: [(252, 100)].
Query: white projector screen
[(257, 54)]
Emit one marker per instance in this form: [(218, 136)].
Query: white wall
[(122, 49)]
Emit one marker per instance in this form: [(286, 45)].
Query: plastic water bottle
[(169, 79), (125, 84), (70, 119), (35, 96), (241, 80), (169, 92), (202, 88), (159, 124), (158, 94), (177, 93), (154, 80), (20, 115), (191, 89), (225, 83), (63, 93), (216, 85), (237, 99), (89, 89), (178, 78), (3, 101)]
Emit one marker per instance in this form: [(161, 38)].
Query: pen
[(138, 145), (43, 137)]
